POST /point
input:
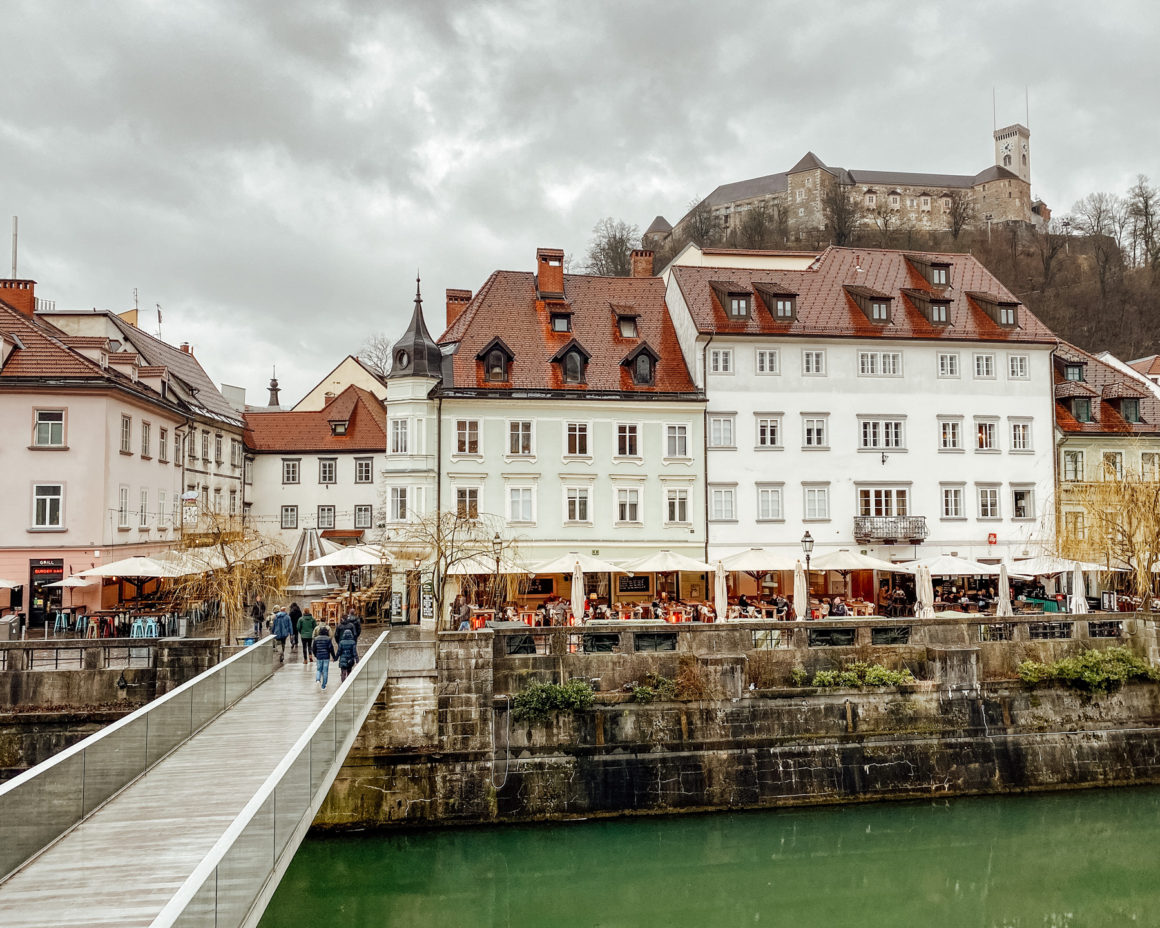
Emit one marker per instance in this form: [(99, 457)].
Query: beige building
[(896, 199)]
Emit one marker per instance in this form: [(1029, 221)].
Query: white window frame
[(143, 508), (49, 499), (770, 502), (1029, 489), (676, 441), (1022, 435), (291, 471), (949, 492), (627, 433), (985, 495), (721, 361), (881, 433), (879, 363), (400, 437), (767, 362), (463, 437), (813, 362), (676, 499), (815, 497), (521, 488), (37, 422), (1118, 458), (126, 434), (163, 445), (1018, 367), (810, 423), (288, 518), (577, 504), (629, 505), (1076, 456), (723, 430), (583, 435), (984, 365), (948, 365), (722, 503), (992, 426), (146, 439), (398, 503), (122, 506), (325, 516), (955, 424), (364, 515), (515, 429), (772, 426)]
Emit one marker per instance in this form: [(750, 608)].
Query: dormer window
[(940, 275), (738, 306), (875, 304), (496, 365), (573, 367), (1130, 409), (781, 301), (642, 370), (785, 307), (402, 360), (939, 313), (561, 322), (496, 358), (338, 428), (626, 325), (1073, 372), (1007, 315), (1003, 312), (642, 365), (879, 311), (1082, 408)]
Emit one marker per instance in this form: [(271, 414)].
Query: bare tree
[(699, 225), (1049, 245), (376, 354), (756, 226), (842, 211), (610, 249), (886, 218), (1101, 217), (1143, 206), (961, 213)]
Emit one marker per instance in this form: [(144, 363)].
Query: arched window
[(642, 369), (573, 367), (1006, 161), (496, 365)]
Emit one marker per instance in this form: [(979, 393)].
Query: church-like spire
[(273, 387), (416, 354)]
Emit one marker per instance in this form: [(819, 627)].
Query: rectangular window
[(192, 452), (163, 445), (768, 361), (814, 432), (561, 322), (576, 507), (676, 441), (326, 517), (879, 363), (627, 326), (289, 517), (721, 360), (950, 435), (879, 311), (1113, 465), (883, 501), (363, 470), (952, 502), (1073, 372), (327, 470), (948, 364), (467, 436), (783, 307), (49, 428), (1006, 315), (162, 512), (205, 445), (881, 433), (47, 508), (233, 503), (248, 472), (1073, 465), (984, 366), (817, 502), (1073, 526), (814, 362), (986, 436), (143, 510), (467, 502), (178, 449), (146, 439), (678, 505), (217, 449), (290, 470), (126, 434), (769, 431), (578, 439), (721, 432), (628, 504), (1022, 503), (1150, 466), (721, 504), (939, 313), (1082, 406), (769, 504), (626, 441), (988, 502), (1020, 436), (1130, 409), (398, 501), (399, 436), (738, 307), (520, 437), (122, 507), (1018, 367), (363, 516), (520, 504)]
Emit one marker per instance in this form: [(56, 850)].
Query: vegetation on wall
[(540, 700), (1093, 671)]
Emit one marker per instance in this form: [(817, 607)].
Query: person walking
[(306, 632), (347, 653), (282, 628), (324, 653), (258, 614), (295, 615)]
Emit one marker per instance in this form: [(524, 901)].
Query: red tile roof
[(1149, 366), (506, 306), (311, 431), (1105, 385), (45, 354), (826, 307)]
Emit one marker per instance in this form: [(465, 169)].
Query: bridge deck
[(121, 866)]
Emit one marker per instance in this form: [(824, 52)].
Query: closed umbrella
[(577, 593), (1003, 608), (924, 590), (720, 594), (801, 591), (1078, 601)]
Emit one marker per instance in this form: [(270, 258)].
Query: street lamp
[(496, 550), (807, 550)]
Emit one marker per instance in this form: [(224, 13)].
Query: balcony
[(910, 530)]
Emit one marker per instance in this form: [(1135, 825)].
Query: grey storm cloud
[(273, 173)]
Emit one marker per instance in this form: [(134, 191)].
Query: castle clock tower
[(1013, 150)]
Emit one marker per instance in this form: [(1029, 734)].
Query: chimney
[(550, 273), (20, 295), (642, 262), (457, 301), (185, 347)]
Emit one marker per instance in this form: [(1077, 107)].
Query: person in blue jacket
[(347, 652), (324, 653), (282, 630)]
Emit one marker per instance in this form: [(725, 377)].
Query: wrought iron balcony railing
[(889, 529)]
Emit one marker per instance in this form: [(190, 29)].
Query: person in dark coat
[(282, 629), (324, 653), (295, 614), (306, 633), (258, 614), (347, 653)]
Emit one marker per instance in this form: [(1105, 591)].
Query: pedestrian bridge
[(188, 811)]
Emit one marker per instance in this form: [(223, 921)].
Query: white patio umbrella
[(1077, 602), (566, 563), (8, 584), (137, 566), (666, 562), (759, 559), (484, 564), (801, 592), (1048, 564), (577, 592), (924, 590), (1003, 607), (353, 556), (843, 559), (71, 583), (720, 593), (946, 565)]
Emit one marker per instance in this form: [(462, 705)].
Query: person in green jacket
[(306, 633)]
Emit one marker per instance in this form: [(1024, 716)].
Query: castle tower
[(1013, 150)]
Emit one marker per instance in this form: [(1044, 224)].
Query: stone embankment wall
[(441, 747)]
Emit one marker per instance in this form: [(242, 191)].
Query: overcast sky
[(274, 173)]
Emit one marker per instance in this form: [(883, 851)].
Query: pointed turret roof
[(809, 162), (416, 354)]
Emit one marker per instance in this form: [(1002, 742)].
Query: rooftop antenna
[(994, 112), (135, 299), (1026, 107), (158, 305), (15, 225)]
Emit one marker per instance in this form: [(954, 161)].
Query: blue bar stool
[(61, 624), (82, 624), (151, 628), (138, 629)]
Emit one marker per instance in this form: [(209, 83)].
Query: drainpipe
[(705, 442)]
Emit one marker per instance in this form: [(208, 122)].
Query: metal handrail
[(207, 899), (29, 829)]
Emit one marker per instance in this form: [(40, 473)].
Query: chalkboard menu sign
[(541, 586), (637, 584)]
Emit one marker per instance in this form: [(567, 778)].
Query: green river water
[(1065, 860)]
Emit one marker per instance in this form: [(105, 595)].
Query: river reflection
[(1067, 860)]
